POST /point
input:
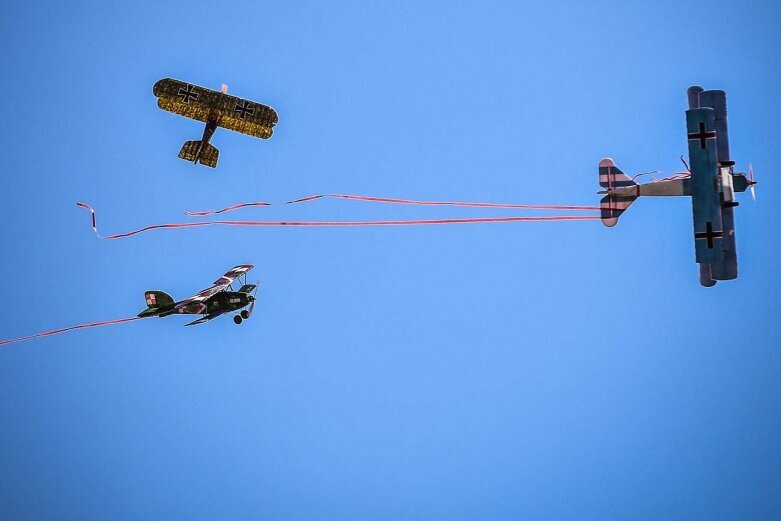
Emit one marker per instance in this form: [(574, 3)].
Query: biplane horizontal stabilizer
[(209, 155), (621, 192), (200, 152)]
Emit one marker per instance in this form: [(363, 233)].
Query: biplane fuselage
[(211, 302)]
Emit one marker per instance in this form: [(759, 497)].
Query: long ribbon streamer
[(395, 201), (336, 223), (63, 330)]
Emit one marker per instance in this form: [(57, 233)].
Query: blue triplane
[(710, 181)]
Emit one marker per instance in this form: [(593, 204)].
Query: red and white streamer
[(71, 328), (412, 222), (391, 200)]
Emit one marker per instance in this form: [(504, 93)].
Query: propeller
[(751, 181), (252, 300)]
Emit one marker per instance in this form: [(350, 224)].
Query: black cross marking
[(243, 109), (702, 135), (709, 234), (186, 93)]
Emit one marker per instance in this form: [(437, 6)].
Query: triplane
[(710, 180), (211, 302)]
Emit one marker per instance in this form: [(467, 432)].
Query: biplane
[(710, 180), (212, 302), (216, 109)]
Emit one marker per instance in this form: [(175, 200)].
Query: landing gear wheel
[(237, 319), (244, 314)]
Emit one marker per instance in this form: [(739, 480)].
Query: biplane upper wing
[(237, 114), (218, 285)]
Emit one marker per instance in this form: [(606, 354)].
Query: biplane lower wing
[(247, 126), (208, 317)]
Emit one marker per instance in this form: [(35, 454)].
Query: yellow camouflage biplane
[(216, 109)]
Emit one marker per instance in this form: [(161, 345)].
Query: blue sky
[(539, 371)]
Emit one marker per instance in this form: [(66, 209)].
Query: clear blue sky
[(514, 371)]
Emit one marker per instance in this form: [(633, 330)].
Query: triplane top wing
[(233, 113)]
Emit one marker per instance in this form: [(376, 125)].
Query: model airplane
[(216, 300), (216, 109), (710, 181)]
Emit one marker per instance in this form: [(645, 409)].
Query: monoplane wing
[(218, 285), (207, 317), (237, 114)]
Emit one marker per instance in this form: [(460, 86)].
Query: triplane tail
[(200, 152), (621, 191)]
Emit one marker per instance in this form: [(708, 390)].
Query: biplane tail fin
[(621, 192), (158, 302), (200, 152)]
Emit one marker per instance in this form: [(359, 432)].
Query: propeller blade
[(753, 193), (751, 181), (252, 304)]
